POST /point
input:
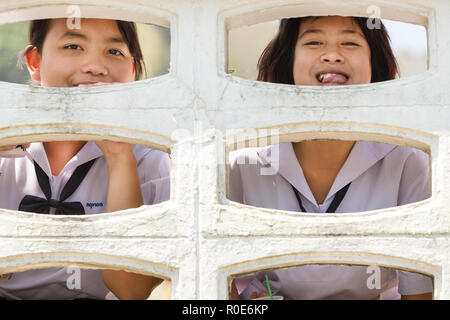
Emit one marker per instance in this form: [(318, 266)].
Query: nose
[(95, 66), (332, 56)]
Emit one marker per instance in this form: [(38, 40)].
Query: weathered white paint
[(198, 239)]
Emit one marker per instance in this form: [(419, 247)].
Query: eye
[(350, 43), (72, 46), (313, 43), (115, 52)]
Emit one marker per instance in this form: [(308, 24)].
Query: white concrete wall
[(199, 238)]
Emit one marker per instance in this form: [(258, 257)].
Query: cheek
[(302, 66), (362, 68), (123, 72), (53, 69), (367, 70), (367, 66)]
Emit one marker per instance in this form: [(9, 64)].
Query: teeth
[(323, 76)]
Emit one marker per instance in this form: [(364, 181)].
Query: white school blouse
[(381, 176), (18, 178)]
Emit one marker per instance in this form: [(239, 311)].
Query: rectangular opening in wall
[(332, 282), (42, 178), (291, 59), (328, 176), (73, 283), (150, 51)]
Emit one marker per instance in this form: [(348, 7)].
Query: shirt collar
[(286, 165), (88, 152), (362, 156)]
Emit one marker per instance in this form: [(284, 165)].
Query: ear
[(33, 61)]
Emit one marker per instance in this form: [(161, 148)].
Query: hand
[(118, 155), (259, 294), (5, 148), (111, 148), (423, 296), (114, 148)]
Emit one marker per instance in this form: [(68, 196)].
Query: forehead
[(330, 23), (102, 27)]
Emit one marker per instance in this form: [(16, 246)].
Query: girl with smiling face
[(104, 176), (330, 176)]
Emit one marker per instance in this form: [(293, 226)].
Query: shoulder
[(154, 174), (154, 162), (410, 167), (148, 154), (392, 155), (408, 156), (8, 163), (250, 156)]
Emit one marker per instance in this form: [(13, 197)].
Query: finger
[(4, 148), (254, 295), (262, 294), (258, 294)]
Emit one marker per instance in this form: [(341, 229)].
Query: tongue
[(335, 78)]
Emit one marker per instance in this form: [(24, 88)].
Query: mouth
[(88, 84), (332, 78)]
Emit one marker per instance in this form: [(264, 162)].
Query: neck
[(60, 152), (321, 161)]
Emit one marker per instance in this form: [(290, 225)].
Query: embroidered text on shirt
[(94, 204)]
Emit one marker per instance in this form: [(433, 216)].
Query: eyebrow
[(73, 34), (318, 31)]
